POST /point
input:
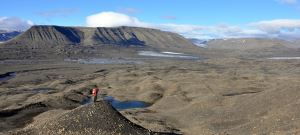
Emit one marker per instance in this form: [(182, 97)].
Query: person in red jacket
[(95, 91)]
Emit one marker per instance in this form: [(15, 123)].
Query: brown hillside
[(46, 41)]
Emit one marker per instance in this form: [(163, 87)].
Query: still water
[(120, 105)]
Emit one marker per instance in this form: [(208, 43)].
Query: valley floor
[(213, 96)]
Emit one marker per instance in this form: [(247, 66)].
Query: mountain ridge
[(7, 35), (249, 43), (51, 34), (66, 41)]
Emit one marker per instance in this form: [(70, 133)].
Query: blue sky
[(191, 18)]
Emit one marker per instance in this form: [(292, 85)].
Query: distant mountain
[(101, 41), (199, 42), (7, 35), (250, 44), (296, 42)]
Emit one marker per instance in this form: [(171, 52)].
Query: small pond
[(120, 105)]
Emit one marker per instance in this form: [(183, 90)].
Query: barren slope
[(66, 41)]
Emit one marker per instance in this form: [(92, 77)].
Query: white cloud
[(30, 22), (209, 32), (277, 25), (14, 24), (179, 28), (113, 19), (2, 18), (282, 28)]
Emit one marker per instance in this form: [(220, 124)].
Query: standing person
[(95, 91)]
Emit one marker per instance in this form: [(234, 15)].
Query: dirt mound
[(99, 118)]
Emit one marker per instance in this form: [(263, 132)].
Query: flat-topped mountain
[(86, 36), (79, 40)]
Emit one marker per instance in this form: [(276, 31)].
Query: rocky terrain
[(230, 92), (99, 118), (213, 96)]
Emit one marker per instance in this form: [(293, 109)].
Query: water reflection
[(122, 105)]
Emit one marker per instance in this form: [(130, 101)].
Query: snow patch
[(202, 45), (174, 53), (166, 55), (284, 58)]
